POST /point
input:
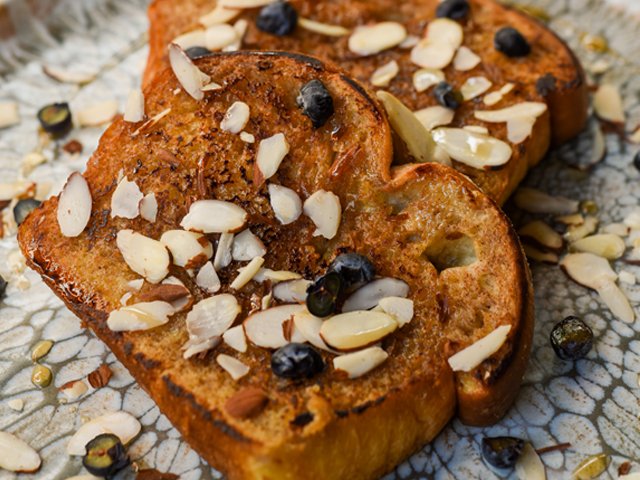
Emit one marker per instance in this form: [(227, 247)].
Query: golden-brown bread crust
[(358, 428), (565, 88)]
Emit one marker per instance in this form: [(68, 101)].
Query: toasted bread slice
[(406, 220), (550, 73)]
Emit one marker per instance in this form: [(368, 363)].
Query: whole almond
[(246, 403), (100, 377)]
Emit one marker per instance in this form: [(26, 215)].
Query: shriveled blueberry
[(447, 96), (278, 18), (296, 360), (636, 160), (571, 338), (105, 456), (3, 287), (316, 102), (24, 208), (55, 119), (502, 452), (453, 9), (324, 294), (197, 52), (354, 269), (510, 41)]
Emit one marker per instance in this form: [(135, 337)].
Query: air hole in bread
[(454, 250)]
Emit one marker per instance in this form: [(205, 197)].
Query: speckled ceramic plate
[(592, 403)]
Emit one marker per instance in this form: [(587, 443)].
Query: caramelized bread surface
[(564, 91), (405, 219)]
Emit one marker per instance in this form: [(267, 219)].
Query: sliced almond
[(436, 116), (519, 129), (437, 49), (605, 245), (211, 86), (247, 246), (97, 114), (372, 39), (359, 363), (401, 309), (576, 232), (126, 198), (246, 274), (74, 206), (598, 150), (149, 207), (309, 327), (607, 103), (465, 59), (292, 291), (472, 356), (536, 201), (542, 234), (223, 253), (619, 229), (276, 276), (240, 28), (17, 456), (189, 76), (271, 152), (212, 317), (356, 329), (495, 97), (246, 403), (519, 110), (286, 203), (188, 249), (74, 389), (141, 316), (121, 424), (408, 127), (383, 75), (151, 122), (473, 149), (232, 366), (195, 346), (325, 211), (571, 219), (217, 37), (195, 38), (236, 118), (218, 15), (134, 108), (16, 404), (595, 273), (145, 256), (369, 295), (241, 4), (477, 129), (264, 328), (9, 114), (409, 42), (474, 87), (426, 78), (207, 278), (247, 137), (235, 338), (529, 466), (214, 216), (322, 28), (64, 75), (537, 255)]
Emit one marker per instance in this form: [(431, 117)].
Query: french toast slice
[(550, 73), (424, 224)]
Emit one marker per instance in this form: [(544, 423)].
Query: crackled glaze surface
[(593, 404)]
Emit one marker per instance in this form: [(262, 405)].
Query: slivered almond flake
[(149, 207), (189, 76), (309, 327), (134, 108), (576, 232), (145, 256), (195, 346), (372, 39), (519, 129), (292, 291), (401, 309), (232, 366), (474, 87), (607, 103), (473, 149), (246, 274), (472, 356), (188, 249), (141, 316), (437, 49), (219, 14), (325, 211), (536, 201), (247, 246), (207, 278), (208, 320), (121, 424), (236, 118), (356, 329), (322, 28), (495, 97), (235, 338), (405, 123), (465, 59), (246, 403), (247, 137), (240, 28), (537, 255), (271, 152), (211, 87), (152, 121), (217, 37), (126, 198), (359, 363), (96, 114), (369, 295), (426, 78), (223, 253), (195, 38), (594, 272), (9, 114), (214, 216), (605, 245), (17, 456), (74, 206), (276, 275), (286, 203), (436, 116), (542, 234), (529, 466), (519, 110), (383, 75), (264, 328)]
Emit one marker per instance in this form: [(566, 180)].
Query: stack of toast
[(269, 163)]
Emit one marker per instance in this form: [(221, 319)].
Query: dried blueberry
[(636, 160), (510, 41), (296, 360), (324, 294), (55, 119), (197, 52), (354, 269), (502, 452), (24, 208), (3, 287), (453, 9), (316, 102), (447, 96), (571, 338), (278, 18), (105, 456)]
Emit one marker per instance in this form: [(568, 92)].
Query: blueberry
[(324, 294), (278, 18), (296, 360), (453, 9), (197, 52), (502, 452), (24, 208), (355, 270), (511, 42), (636, 160), (3, 287), (447, 96), (316, 102), (571, 338), (55, 119), (105, 456)]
